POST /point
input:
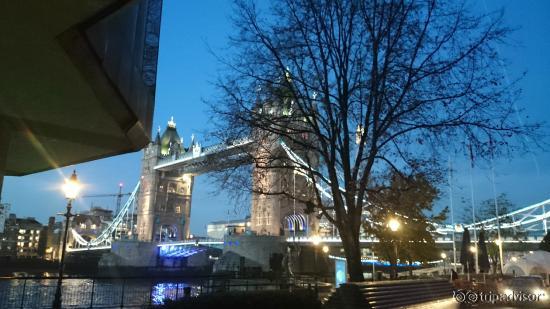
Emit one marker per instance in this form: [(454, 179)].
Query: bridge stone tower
[(164, 206), (276, 214)]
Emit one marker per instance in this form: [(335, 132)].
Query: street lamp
[(498, 242), (71, 187), (444, 257), (394, 225), (315, 240), (325, 249)]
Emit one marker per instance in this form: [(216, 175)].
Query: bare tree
[(358, 88)]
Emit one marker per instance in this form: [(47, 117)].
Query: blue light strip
[(179, 251)]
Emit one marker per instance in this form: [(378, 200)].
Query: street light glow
[(514, 259), (473, 249), (325, 249), (443, 255), (315, 240), (393, 224), (498, 242), (71, 187)]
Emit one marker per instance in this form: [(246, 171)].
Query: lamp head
[(315, 240), (393, 224), (71, 187), (325, 249), (443, 255)]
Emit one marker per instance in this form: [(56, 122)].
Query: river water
[(117, 293), (98, 293)]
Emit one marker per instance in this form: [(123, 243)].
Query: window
[(22, 231), (178, 209)]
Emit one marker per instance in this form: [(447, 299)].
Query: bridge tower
[(164, 206), (276, 214)]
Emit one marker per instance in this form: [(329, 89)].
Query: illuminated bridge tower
[(164, 206), (280, 215)]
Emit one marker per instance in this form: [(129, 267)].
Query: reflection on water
[(173, 291), (39, 293)]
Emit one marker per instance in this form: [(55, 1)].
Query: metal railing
[(129, 292)]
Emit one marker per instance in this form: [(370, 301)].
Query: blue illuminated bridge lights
[(175, 251)]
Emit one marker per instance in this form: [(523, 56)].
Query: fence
[(88, 292)]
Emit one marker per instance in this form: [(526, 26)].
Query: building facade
[(21, 237), (218, 229), (164, 207), (4, 213)]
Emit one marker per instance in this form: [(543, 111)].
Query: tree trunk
[(350, 241)]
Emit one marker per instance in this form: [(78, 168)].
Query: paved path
[(451, 303), (446, 303)]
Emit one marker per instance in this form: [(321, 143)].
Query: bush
[(250, 300)]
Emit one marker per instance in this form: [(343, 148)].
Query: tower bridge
[(162, 201)]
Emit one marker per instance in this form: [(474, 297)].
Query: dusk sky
[(186, 71)]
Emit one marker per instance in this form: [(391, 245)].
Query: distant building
[(8, 239), (28, 236), (218, 229), (102, 214), (20, 237), (52, 240), (4, 212)]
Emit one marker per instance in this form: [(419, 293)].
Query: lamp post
[(498, 242), (473, 249), (71, 189), (394, 225), (315, 240), (444, 258)]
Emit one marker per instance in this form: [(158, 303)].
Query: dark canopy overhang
[(78, 80)]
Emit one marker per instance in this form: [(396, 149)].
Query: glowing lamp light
[(325, 249), (473, 249), (514, 259), (393, 224), (71, 187), (443, 255), (315, 240), (498, 242)]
